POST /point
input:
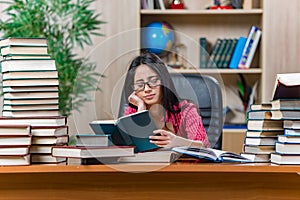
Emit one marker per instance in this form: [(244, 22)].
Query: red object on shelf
[(177, 4), (220, 7)]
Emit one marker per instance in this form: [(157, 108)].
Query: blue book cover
[(237, 54), (133, 129)]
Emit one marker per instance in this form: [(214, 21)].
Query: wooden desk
[(176, 181)]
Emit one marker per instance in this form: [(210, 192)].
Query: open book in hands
[(211, 154), (133, 129)]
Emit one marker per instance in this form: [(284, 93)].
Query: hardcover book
[(92, 152), (24, 49), (237, 53), (285, 159), (28, 65), (165, 156), (286, 104), (14, 150), (287, 86), (35, 121), (133, 129), (15, 160), (87, 140), (264, 125), (14, 129), (211, 154), (23, 41), (49, 130), (53, 140)]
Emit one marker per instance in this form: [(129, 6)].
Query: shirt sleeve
[(193, 125), (129, 110)]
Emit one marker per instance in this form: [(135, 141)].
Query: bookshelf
[(196, 21)]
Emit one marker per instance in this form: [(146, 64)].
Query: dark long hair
[(170, 99)]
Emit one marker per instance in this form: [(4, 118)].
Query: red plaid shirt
[(188, 124)]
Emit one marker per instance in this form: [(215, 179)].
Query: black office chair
[(204, 91)]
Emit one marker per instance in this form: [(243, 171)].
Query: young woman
[(148, 85)]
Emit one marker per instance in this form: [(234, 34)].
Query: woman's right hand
[(137, 101)]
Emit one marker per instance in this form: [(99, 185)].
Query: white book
[(28, 65), (14, 160), (253, 48)]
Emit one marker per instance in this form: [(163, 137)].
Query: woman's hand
[(137, 101), (167, 139), (163, 138)]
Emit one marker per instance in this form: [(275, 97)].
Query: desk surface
[(157, 167), (176, 181)]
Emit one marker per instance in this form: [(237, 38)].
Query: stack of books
[(287, 148), (262, 133), (36, 132), (15, 141), (92, 149), (30, 79)]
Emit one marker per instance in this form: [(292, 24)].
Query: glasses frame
[(147, 83)]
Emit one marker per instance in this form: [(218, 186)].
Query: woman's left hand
[(163, 138)]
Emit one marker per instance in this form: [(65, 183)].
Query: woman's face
[(147, 85)]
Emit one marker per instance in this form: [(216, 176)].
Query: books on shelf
[(92, 152), (285, 159), (24, 49), (203, 52), (88, 140), (287, 86), (133, 129), (249, 48), (15, 160), (229, 54), (237, 53), (214, 155), (35, 120), (163, 156), (289, 139), (23, 41), (28, 65)]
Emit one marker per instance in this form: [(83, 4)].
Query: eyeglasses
[(153, 82)]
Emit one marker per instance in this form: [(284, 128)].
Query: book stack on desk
[(44, 132), (287, 148), (15, 141), (90, 149), (30, 79), (262, 133)]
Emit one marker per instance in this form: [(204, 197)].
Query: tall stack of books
[(30, 80), (30, 94), (262, 133), (287, 148)]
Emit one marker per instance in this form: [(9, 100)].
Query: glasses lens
[(154, 82)]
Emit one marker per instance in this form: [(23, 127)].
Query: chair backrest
[(205, 92)]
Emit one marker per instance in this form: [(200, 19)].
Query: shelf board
[(217, 71), (202, 12)]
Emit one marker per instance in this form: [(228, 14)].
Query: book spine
[(253, 48), (210, 63), (228, 57), (237, 53), (225, 52), (203, 52), (220, 52), (247, 47)]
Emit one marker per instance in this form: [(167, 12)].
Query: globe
[(157, 37)]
